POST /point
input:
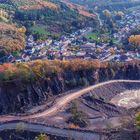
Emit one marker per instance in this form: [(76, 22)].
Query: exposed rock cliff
[(16, 95)]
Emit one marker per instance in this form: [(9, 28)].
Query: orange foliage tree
[(44, 68), (134, 40)]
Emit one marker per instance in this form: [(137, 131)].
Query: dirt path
[(78, 135), (61, 102)]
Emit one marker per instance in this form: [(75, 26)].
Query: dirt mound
[(127, 99)]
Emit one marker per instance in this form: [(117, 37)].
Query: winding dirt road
[(61, 102), (12, 122)]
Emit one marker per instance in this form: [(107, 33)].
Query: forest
[(54, 22), (12, 38), (38, 69)]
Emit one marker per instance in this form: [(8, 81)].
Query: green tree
[(78, 118), (137, 120), (41, 137)]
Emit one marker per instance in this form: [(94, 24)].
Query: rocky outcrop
[(15, 96)]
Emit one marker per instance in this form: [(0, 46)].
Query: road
[(99, 19), (14, 122), (61, 102), (78, 135)]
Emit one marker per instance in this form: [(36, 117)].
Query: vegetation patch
[(39, 32), (11, 38), (92, 36), (42, 68), (33, 4), (78, 118)]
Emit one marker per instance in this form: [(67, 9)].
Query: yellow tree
[(119, 13), (22, 29), (134, 40), (107, 13)]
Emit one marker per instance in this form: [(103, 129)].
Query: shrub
[(78, 118), (137, 120)]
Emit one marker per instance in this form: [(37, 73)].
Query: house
[(138, 55), (80, 54), (48, 42), (42, 52), (88, 46), (29, 49), (11, 58), (25, 57), (38, 47), (18, 59)]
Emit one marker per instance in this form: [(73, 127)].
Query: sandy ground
[(128, 99)]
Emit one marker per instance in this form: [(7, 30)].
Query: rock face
[(15, 96), (100, 98)]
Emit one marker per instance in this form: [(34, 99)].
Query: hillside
[(33, 4), (11, 38), (53, 4), (108, 4), (81, 9), (53, 17), (37, 81)]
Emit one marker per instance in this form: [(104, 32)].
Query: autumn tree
[(119, 15), (12, 38), (24, 72), (21, 29), (107, 13), (134, 40), (43, 69)]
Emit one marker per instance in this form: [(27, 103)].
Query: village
[(75, 45), (70, 69)]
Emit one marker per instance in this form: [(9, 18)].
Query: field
[(95, 36), (39, 30), (92, 36)]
